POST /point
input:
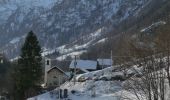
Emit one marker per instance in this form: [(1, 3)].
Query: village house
[(83, 66), (55, 72), (56, 77), (104, 63)]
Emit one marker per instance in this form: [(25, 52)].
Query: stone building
[(56, 77), (55, 72)]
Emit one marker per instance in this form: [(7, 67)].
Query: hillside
[(62, 21)]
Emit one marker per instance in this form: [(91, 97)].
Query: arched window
[(48, 62)]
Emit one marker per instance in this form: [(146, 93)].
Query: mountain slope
[(62, 21)]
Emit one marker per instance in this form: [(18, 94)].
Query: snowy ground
[(104, 90)]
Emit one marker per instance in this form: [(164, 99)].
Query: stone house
[(55, 71), (56, 77)]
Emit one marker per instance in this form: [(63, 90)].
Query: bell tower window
[(48, 62)]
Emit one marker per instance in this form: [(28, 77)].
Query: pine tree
[(28, 72)]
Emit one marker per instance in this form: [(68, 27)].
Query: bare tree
[(149, 83), (163, 45)]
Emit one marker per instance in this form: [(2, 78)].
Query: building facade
[(55, 77), (55, 73)]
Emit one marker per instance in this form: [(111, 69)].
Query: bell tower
[(47, 68)]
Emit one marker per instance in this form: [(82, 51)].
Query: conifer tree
[(28, 72)]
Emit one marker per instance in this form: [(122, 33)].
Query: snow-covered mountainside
[(8, 7), (61, 21)]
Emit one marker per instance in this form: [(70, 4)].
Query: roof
[(63, 65), (56, 68), (84, 64), (107, 62)]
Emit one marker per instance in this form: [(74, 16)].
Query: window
[(1, 61), (48, 62), (54, 77), (55, 83)]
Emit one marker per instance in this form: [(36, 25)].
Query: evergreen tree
[(4, 68), (28, 72)]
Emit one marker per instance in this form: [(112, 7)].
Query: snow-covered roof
[(107, 62), (84, 64)]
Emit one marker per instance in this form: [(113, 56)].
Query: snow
[(44, 14), (14, 59), (97, 33), (104, 90), (113, 8), (15, 40), (101, 41), (29, 3), (8, 7), (154, 25), (90, 39), (84, 64), (72, 55), (20, 18), (107, 72), (47, 51), (65, 52), (75, 49)]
